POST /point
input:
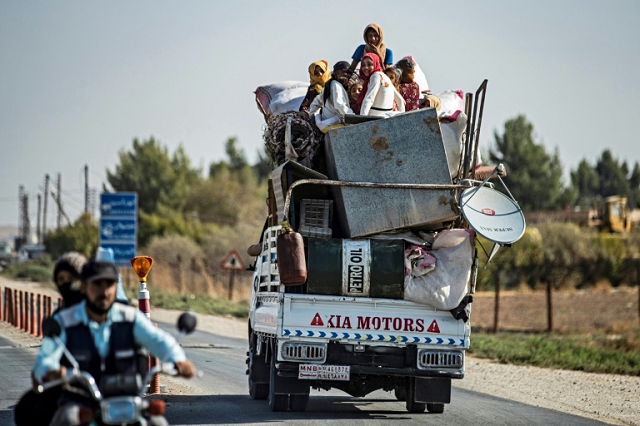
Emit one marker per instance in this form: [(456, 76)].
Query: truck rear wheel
[(435, 408), (277, 402), (257, 390)]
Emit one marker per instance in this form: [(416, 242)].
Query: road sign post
[(119, 225), (232, 263)]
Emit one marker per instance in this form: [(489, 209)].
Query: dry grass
[(192, 279)]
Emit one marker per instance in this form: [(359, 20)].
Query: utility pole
[(59, 192), (21, 220), (44, 213), (56, 198), (26, 231), (39, 235), (86, 188)]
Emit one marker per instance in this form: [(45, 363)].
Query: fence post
[(638, 285), (38, 315), (21, 310), (25, 311), (32, 316), (16, 307), (7, 298), (549, 306), (496, 307), (7, 301)]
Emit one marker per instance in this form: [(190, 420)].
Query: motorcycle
[(119, 400)]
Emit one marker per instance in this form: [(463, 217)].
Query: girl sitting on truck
[(332, 104), (378, 94), (354, 91), (319, 75), (373, 44), (409, 89)]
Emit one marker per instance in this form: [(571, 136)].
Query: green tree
[(534, 176), (236, 158), (163, 184), (219, 199), (81, 236), (168, 222), (613, 176), (159, 180), (634, 186), (264, 165), (585, 180)]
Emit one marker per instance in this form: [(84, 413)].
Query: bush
[(564, 253), (29, 271), (166, 249)]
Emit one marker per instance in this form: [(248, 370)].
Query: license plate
[(324, 372)]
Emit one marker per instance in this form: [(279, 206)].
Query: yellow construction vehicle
[(611, 214)]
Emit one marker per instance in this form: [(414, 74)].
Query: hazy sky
[(79, 80)]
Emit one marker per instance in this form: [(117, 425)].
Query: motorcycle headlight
[(119, 410)]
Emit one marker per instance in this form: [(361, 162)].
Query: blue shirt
[(160, 343), (359, 53)]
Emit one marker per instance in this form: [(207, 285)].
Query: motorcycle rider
[(104, 337)]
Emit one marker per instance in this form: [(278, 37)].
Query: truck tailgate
[(357, 319)]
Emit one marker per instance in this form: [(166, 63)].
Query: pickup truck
[(353, 324)]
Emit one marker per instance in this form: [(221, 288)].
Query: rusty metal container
[(407, 148), (291, 259)]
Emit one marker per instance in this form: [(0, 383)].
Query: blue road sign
[(119, 225), (121, 204), (121, 230)]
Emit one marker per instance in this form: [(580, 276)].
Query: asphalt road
[(219, 396)]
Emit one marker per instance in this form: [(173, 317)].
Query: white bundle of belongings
[(277, 98), (439, 277)]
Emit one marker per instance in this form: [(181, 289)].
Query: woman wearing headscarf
[(373, 44), (378, 93), (66, 276), (319, 75), (332, 104)]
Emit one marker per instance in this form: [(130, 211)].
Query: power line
[(72, 196)]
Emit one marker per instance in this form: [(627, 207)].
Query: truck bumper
[(290, 369)]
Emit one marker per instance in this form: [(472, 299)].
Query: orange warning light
[(142, 266)]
